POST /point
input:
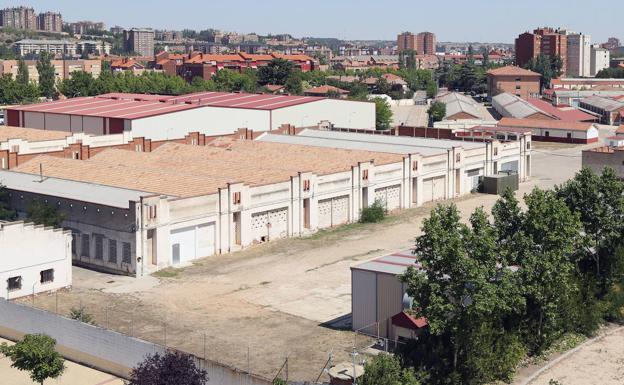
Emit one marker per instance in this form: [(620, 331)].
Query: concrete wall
[(26, 250), (99, 348), (341, 113), (598, 160)]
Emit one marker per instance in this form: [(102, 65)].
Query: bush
[(374, 213), (80, 314)]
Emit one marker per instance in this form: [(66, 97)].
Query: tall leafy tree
[(47, 78), (385, 369), (35, 353), (44, 214), (276, 71), (437, 111), (22, 77), (383, 114), (6, 213)]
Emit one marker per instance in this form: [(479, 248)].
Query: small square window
[(47, 276), (14, 283)]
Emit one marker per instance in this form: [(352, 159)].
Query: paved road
[(74, 375)]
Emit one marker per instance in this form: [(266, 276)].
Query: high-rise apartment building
[(18, 18), (140, 41), (423, 43), (612, 43), (578, 55), (599, 59), (85, 27), (50, 22), (546, 41)]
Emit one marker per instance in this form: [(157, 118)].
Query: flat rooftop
[(377, 143), (395, 263), (180, 170), (136, 106), (30, 134), (69, 189)]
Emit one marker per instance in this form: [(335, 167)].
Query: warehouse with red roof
[(161, 117)]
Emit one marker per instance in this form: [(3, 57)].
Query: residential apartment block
[(83, 27), (514, 80), (62, 68), (599, 59), (62, 47), (50, 22), (423, 43), (546, 41), (18, 18), (139, 40), (578, 55)]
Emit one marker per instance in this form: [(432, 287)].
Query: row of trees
[(495, 291), (549, 67), (609, 73), (22, 90)]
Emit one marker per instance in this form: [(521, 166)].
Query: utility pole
[(354, 354)]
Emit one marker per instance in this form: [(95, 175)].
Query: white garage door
[(473, 178), (333, 211), (192, 242), (389, 196), (182, 245), (269, 225), (433, 189)]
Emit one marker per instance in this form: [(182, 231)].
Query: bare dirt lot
[(253, 308)]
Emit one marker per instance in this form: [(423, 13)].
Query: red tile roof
[(549, 124), (324, 90), (567, 115), (512, 71)]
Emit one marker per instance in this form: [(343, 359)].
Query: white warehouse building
[(136, 212), (33, 259), (159, 117)]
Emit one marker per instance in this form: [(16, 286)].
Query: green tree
[(548, 67), (432, 90), (437, 111), (6, 214), (294, 84), (22, 77), (47, 78), (44, 214), (166, 369), (35, 353), (277, 71), (385, 369), (383, 114), (79, 84)]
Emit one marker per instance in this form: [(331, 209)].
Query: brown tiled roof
[(620, 130), (512, 71), (539, 123), (30, 134), (324, 90), (183, 170)]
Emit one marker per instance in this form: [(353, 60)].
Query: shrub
[(374, 213), (80, 314)]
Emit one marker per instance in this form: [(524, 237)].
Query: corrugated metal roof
[(457, 103), (512, 106), (395, 263), (63, 188), (603, 103)]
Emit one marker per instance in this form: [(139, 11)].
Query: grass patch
[(167, 273)]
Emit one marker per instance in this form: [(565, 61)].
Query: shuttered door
[(340, 210), (325, 213), (183, 242), (205, 240)]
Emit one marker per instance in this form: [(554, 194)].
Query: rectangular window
[(306, 185), (112, 251), (151, 212), (3, 163), (569, 135), (415, 166), (518, 87), (364, 174), (47, 276), (528, 145), (15, 148), (85, 247), (138, 148), (495, 151), (458, 158), (236, 199), (99, 246), (126, 253), (14, 283)]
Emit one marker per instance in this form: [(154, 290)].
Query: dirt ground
[(600, 362), (253, 308)]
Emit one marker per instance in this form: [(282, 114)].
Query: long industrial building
[(134, 212), (159, 117)]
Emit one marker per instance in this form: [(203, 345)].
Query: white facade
[(33, 259), (600, 59), (578, 57)]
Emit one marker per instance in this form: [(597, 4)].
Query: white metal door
[(185, 239), (438, 188), (205, 240), (433, 189), (510, 166)]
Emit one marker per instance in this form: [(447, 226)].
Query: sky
[(451, 20)]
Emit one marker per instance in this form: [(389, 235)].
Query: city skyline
[(348, 20)]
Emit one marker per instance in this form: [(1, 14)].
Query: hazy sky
[(451, 20)]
